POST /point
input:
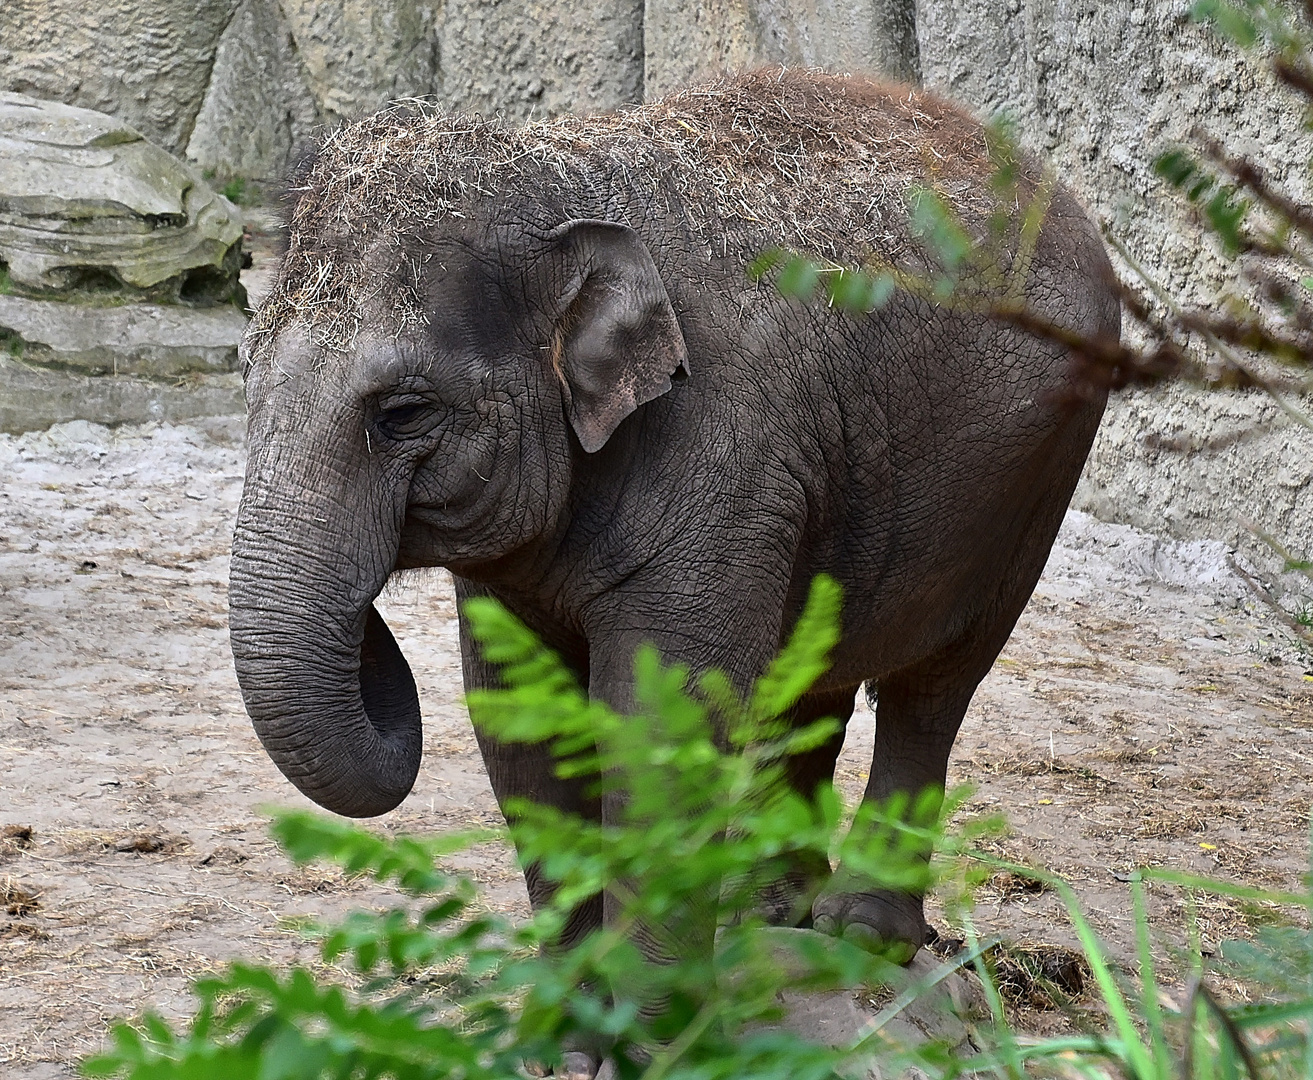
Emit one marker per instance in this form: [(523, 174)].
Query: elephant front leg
[(529, 771), (716, 633), (918, 713)]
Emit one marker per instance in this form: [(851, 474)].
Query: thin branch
[(1260, 589), (1249, 175), (1116, 365), (1248, 334), (1197, 993), (1221, 348), (1303, 566), (1294, 74)]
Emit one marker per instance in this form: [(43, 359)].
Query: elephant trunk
[(326, 686)]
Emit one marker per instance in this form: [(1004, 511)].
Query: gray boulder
[(90, 210), (32, 398), (157, 341), (941, 1005)]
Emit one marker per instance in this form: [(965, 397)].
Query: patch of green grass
[(12, 344), (1258, 914), (238, 191)]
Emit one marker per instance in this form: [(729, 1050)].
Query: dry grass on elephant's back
[(814, 162)]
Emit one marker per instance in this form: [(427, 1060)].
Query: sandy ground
[(1147, 710)]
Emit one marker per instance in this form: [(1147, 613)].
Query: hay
[(817, 163)]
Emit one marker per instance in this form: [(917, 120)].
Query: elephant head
[(449, 441)]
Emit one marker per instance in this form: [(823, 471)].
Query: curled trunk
[(328, 691)]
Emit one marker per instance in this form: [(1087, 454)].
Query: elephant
[(532, 355)]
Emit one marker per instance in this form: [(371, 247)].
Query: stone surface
[(87, 206), (359, 54), (257, 107), (147, 62), (284, 70), (238, 85), (524, 58), (1194, 464), (33, 398), (110, 365), (839, 1017), (1101, 89), (690, 39), (154, 340), (835, 1018)]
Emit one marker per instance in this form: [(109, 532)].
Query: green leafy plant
[(439, 987), (707, 821)]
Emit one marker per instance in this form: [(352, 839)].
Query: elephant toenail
[(577, 1066)]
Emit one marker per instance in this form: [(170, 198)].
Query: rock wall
[(119, 291), (689, 39), (237, 85), (1100, 87)]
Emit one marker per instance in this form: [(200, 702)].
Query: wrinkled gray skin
[(706, 448)]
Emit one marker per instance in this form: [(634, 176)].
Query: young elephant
[(533, 356)]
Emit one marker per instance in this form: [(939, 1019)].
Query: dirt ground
[(1147, 710)]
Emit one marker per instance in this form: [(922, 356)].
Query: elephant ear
[(617, 342)]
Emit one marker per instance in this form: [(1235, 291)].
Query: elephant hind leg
[(793, 879), (920, 708), (918, 713)]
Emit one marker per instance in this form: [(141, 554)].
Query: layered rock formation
[(118, 263), (88, 208)]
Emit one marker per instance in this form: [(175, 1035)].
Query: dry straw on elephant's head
[(817, 163)]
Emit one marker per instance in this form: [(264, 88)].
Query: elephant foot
[(879, 921), (575, 1065), (786, 899)]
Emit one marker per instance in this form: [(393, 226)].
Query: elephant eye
[(405, 421)]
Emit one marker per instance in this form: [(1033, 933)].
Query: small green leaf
[(1230, 20), (806, 656), (935, 222), (847, 290), (1226, 214), (799, 278), (1004, 153), (764, 263), (103, 1065), (1176, 166), (857, 292)]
